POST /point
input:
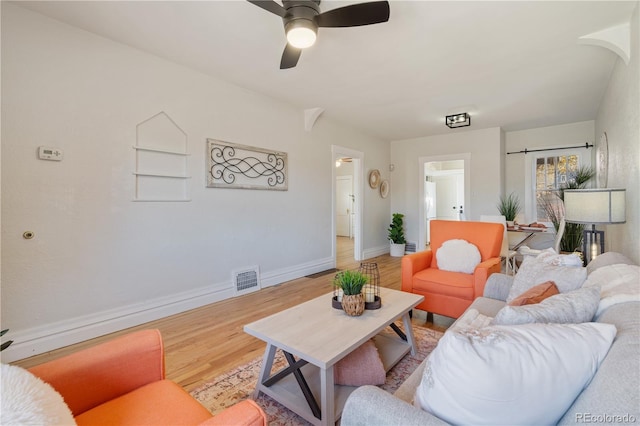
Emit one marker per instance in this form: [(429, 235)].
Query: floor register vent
[(246, 280)]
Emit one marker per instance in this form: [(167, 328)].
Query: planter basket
[(396, 250), (370, 292), (353, 304)]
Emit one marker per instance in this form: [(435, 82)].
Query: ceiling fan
[(302, 18)]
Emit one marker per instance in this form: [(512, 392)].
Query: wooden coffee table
[(314, 336)]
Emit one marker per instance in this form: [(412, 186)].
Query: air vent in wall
[(410, 247), (246, 280)]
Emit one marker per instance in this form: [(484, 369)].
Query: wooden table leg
[(327, 392), (265, 370), (408, 330)]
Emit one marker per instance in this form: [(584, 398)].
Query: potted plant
[(572, 236), (351, 283), (396, 236), (509, 207)]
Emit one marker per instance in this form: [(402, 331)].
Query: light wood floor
[(203, 343)]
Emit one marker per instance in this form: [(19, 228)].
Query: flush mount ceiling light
[(458, 120)]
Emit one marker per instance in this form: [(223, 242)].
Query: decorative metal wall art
[(231, 165)]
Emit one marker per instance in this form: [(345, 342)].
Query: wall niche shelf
[(164, 151), (162, 175), (161, 161)]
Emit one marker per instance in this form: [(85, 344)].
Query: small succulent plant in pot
[(351, 284)]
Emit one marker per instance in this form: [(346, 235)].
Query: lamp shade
[(603, 205)]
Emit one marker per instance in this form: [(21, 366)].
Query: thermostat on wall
[(47, 153)]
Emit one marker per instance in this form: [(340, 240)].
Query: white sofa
[(614, 391)]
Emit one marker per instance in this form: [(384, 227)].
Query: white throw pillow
[(27, 400), (551, 257), (534, 271), (511, 375), (458, 256), (575, 307)]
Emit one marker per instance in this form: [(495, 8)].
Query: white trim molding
[(310, 117), (617, 39)]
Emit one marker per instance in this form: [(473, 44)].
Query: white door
[(447, 207), (344, 202)]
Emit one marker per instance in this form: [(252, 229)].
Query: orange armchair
[(450, 293), (122, 382)]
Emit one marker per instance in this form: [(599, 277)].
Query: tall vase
[(353, 304)]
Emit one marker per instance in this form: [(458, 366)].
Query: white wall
[(619, 116), (518, 166), (484, 148), (100, 262)]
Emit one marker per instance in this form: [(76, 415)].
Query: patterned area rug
[(239, 383)]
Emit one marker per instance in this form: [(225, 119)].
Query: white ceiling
[(516, 65)]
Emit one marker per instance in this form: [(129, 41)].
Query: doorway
[(344, 200), (444, 191), (347, 203)]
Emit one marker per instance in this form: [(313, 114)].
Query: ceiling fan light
[(300, 35)]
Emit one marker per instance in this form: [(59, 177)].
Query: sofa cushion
[(454, 284), (574, 307), (613, 391), (534, 271), (361, 367), (458, 256), (161, 402), (536, 294), (608, 258), (524, 374), (618, 283), (27, 400)]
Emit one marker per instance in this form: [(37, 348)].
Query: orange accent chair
[(122, 382), (450, 293)]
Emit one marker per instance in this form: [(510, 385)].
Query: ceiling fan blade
[(270, 6), (290, 57), (355, 15)]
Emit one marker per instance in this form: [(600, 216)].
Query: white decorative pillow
[(534, 271), (511, 375), (458, 256), (575, 307), (551, 257), (27, 400)]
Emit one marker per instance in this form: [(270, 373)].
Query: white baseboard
[(37, 340), (283, 275), (375, 252)]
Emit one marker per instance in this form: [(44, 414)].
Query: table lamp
[(594, 206)]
